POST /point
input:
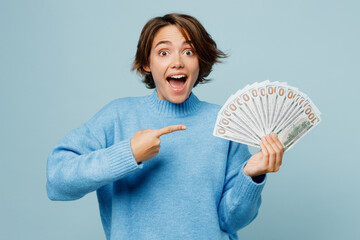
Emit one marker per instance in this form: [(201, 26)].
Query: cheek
[(157, 69), (195, 68), (157, 78), (158, 66)]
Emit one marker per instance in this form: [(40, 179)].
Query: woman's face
[(173, 64)]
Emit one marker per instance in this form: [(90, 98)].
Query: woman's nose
[(177, 61)]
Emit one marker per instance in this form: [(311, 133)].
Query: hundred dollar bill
[(297, 129), (291, 105), (262, 108), (236, 124), (231, 109), (257, 106), (221, 132), (246, 107), (239, 112), (297, 106), (284, 96), (273, 106), (305, 111)]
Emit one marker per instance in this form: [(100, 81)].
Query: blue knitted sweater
[(195, 188)]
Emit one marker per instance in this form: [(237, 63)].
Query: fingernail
[(183, 127)]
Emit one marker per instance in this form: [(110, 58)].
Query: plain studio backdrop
[(61, 61)]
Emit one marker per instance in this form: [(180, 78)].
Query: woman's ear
[(147, 69)]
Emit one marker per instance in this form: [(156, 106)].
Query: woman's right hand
[(145, 144)]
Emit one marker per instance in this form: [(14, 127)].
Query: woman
[(157, 170)]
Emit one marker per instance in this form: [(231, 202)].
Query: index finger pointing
[(169, 129)]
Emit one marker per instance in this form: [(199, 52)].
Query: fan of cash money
[(262, 108)]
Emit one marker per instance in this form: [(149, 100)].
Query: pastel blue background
[(61, 61)]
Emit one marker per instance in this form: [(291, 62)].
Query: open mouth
[(177, 82)]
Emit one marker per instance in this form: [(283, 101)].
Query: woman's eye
[(163, 53), (189, 52)]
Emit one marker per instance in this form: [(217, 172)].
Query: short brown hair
[(192, 30)]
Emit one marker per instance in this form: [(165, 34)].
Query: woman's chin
[(177, 95)]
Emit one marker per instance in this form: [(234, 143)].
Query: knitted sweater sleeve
[(81, 162), (241, 197)]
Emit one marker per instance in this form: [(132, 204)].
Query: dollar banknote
[(263, 108)]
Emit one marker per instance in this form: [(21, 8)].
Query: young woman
[(158, 171)]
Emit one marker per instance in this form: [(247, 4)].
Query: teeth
[(178, 76)]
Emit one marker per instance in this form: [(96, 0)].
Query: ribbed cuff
[(245, 188), (121, 159)]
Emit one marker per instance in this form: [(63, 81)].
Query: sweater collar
[(167, 108)]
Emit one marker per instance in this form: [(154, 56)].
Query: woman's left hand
[(268, 159)]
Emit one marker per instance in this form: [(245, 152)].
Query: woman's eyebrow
[(170, 43), (163, 42)]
